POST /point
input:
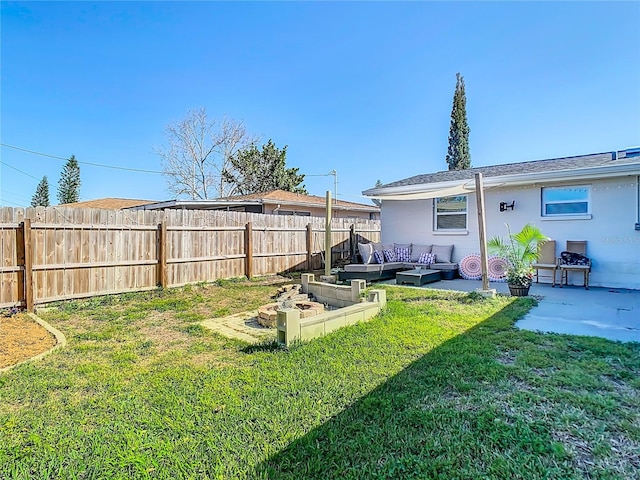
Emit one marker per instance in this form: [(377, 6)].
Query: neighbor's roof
[(108, 203), (583, 166), (273, 197), (291, 198)]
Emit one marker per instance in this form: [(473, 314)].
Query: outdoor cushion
[(366, 252), (403, 254), (427, 258), (443, 253), (378, 256), (389, 255), (373, 267), (396, 246), (417, 250)]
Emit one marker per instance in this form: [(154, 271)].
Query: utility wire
[(84, 163), (18, 170), (3, 200)]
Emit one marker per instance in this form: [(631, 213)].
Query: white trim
[(444, 233), (544, 204), (555, 218), (436, 214)]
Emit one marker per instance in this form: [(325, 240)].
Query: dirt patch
[(22, 338)]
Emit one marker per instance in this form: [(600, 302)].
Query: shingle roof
[(108, 203), (536, 166), (291, 197)]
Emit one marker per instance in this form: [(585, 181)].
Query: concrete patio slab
[(610, 313)]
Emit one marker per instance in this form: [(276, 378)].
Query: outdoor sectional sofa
[(407, 257)]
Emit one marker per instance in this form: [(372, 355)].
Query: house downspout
[(637, 225)]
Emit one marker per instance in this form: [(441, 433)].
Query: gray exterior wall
[(613, 243)]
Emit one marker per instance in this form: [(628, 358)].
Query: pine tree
[(69, 183), (41, 197), (458, 156), (252, 171)]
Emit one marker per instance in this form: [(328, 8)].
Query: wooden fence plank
[(27, 248), (82, 252)]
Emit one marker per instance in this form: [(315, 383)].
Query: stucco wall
[(613, 243), (272, 208)]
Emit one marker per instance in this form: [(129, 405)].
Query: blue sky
[(364, 88)]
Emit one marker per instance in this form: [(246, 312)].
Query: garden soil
[(21, 338)]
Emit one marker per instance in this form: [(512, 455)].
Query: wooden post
[(482, 228), (327, 237), (162, 254), (309, 247), (353, 247), (248, 250), (27, 251)]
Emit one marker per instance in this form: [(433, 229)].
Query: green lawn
[(439, 386)]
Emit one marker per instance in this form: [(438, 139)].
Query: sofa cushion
[(444, 266), (373, 267), (379, 256), (417, 250), (427, 258), (443, 253), (403, 254), (389, 255), (366, 252)]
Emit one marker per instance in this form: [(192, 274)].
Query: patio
[(610, 313)]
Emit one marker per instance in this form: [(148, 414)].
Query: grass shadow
[(462, 411)]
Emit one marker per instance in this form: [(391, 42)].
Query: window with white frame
[(570, 200), (450, 213)]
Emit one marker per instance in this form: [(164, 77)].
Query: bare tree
[(198, 150)]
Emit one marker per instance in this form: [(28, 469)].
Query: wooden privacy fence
[(56, 253)]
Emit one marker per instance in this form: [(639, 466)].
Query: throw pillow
[(442, 253), (417, 250), (427, 259), (403, 254), (377, 254), (389, 255), (366, 252)]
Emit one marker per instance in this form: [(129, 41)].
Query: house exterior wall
[(613, 243), (271, 208)]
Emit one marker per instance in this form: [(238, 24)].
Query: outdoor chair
[(574, 259), (547, 260)]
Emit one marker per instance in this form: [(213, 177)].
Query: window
[(451, 213), (558, 201)]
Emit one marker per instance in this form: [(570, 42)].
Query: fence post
[(162, 254), (27, 257), (309, 247), (248, 250), (352, 243)]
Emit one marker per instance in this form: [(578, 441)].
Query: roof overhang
[(221, 204), (197, 204), (459, 187)]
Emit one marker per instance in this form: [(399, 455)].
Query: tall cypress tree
[(69, 183), (41, 197), (458, 155)]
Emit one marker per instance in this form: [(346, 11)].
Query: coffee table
[(417, 277)]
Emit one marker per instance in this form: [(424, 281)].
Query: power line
[(84, 163), (18, 170), (3, 200)]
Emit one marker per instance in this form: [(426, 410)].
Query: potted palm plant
[(521, 252)]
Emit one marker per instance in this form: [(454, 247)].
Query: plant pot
[(519, 291)]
